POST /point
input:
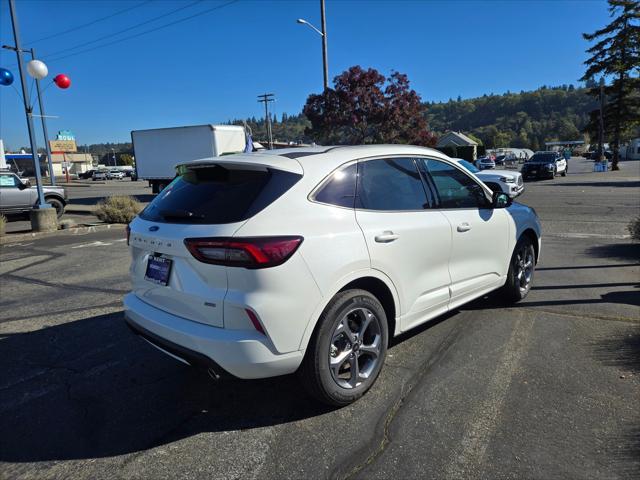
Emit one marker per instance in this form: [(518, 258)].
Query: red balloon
[(62, 81)]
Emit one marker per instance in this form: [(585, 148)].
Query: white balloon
[(37, 69)]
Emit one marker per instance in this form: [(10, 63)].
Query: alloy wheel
[(354, 351), (524, 267)]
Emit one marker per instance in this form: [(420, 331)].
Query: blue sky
[(210, 68)]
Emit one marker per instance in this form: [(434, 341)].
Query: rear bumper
[(240, 353)]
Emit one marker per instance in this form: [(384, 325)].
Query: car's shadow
[(90, 388)]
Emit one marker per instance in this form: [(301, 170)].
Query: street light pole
[(27, 106), (323, 34), (325, 66)]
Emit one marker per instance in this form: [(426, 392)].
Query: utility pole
[(325, 65), (601, 123), (27, 107), (266, 98)]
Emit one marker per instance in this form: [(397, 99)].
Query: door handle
[(386, 237), (464, 227)]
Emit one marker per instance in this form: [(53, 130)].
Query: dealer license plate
[(158, 270)]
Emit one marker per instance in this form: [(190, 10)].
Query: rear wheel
[(564, 172), (347, 350), (57, 204), (521, 271)]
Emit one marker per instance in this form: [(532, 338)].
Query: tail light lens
[(128, 229), (249, 252)]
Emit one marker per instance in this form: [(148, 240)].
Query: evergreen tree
[(617, 54)]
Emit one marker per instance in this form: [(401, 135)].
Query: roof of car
[(320, 159)]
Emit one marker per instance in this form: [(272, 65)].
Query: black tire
[(57, 204), (516, 289), (564, 172), (325, 383)]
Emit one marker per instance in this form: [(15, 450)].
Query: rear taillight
[(128, 229), (250, 252)]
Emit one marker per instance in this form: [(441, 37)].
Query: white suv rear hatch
[(209, 200)]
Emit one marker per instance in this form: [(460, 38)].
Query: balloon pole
[(52, 177), (27, 107)]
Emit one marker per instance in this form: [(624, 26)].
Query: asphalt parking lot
[(545, 389)]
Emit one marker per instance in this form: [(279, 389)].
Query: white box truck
[(157, 151)]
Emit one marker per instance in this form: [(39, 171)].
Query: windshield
[(542, 158), (469, 166)]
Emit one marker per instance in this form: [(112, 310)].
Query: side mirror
[(501, 200), (24, 184)]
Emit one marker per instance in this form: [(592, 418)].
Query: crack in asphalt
[(382, 439), (66, 286), (573, 315)]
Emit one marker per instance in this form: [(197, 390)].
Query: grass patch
[(118, 209), (3, 224)]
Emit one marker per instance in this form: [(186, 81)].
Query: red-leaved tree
[(365, 107)]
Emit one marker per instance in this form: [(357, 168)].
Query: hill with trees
[(522, 120), (525, 119)]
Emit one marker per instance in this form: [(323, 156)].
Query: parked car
[(99, 175), (263, 264), (500, 160), (86, 175), (507, 181), (484, 163), (115, 175), (545, 165), (18, 196)]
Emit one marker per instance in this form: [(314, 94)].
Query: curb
[(19, 237)]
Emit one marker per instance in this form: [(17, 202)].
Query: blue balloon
[(6, 77)]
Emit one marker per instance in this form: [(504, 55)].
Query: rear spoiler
[(252, 161)]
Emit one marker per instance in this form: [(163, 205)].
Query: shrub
[(118, 209), (634, 229), (3, 223)]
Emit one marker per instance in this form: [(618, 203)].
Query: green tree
[(125, 159), (617, 54)]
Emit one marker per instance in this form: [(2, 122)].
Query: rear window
[(217, 194)]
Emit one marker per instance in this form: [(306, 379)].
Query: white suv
[(507, 181), (308, 260)]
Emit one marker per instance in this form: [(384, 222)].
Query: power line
[(112, 34), (203, 12), (93, 22)]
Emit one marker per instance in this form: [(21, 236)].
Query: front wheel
[(57, 204), (347, 350), (521, 270)]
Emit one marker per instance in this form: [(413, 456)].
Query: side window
[(455, 188), (8, 181), (390, 184), (340, 188)]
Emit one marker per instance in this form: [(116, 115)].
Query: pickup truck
[(18, 196)]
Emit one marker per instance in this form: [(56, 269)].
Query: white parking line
[(587, 235), (97, 243)]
